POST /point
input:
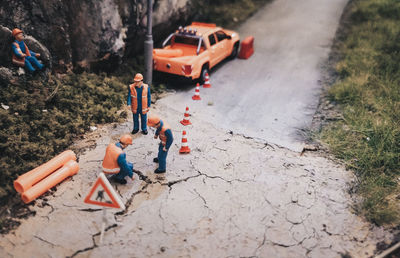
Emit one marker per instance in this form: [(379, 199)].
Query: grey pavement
[(274, 94)]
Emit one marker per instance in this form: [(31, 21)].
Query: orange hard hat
[(126, 139), (138, 77), (153, 120), (16, 31)]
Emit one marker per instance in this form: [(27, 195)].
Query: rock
[(5, 106), (38, 47), (310, 148), (5, 46), (5, 75), (20, 71)]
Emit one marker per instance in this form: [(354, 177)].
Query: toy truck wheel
[(204, 71), (235, 51)]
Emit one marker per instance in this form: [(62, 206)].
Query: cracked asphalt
[(234, 195)]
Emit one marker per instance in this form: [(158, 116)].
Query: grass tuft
[(368, 92)]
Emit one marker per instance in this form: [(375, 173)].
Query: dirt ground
[(234, 195)]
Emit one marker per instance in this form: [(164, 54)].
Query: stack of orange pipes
[(39, 180)]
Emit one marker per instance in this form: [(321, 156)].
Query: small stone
[(310, 148), (4, 106), (235, 19), (93, 128), (20, 71), (162, 249), (210, 103)]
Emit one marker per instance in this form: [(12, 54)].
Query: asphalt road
[(274, 94)]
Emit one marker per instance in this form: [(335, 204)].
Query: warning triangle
[(103, 194)]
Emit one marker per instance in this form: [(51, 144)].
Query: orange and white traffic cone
[(186, 120), (196, 95), (184, 147), (207, 83)]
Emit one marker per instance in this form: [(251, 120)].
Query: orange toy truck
[(193, 50)]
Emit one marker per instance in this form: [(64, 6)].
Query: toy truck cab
[(192, 51)]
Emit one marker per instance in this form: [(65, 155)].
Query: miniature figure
[(22, 56), (115, 160), (165, 134), (139, 98)]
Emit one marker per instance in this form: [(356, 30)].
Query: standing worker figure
[(139, 98), (22, 56), (115, 160), (165, 134)]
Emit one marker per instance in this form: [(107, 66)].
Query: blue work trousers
[(162, 158), (143, 120), (30, 61), (122, 174)]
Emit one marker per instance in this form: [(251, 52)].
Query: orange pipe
[(69, 169), (25, 181)]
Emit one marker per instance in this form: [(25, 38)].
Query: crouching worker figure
[(115, 160), (164, 132), (22, 56)]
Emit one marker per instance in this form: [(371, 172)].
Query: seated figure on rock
[(21, 55)]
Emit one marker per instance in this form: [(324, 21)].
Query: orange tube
[(25, 181), (69, 169)]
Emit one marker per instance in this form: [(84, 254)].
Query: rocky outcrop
[(92, 34)]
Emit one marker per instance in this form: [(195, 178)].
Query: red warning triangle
[(103, 194)]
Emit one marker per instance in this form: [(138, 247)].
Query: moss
[(43, 119)]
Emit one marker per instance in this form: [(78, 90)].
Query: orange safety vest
[(134, 102), (20, 61), (162, 135), (110, 163)]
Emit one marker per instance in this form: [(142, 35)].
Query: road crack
[(44, 240), (94, 242), (201, 197)]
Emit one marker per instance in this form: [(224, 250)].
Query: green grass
[(368, 91)]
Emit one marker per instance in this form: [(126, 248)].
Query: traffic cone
[(207, 83), (184, 147), (196, 95), (186, 120)]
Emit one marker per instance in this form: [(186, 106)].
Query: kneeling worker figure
[(115, 160), (165, 134)]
